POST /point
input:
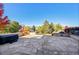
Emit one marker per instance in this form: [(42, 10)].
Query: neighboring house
[(72, 30)]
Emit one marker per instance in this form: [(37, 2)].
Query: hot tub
[(8, 38)]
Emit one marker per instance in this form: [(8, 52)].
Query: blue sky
[(37, 13)]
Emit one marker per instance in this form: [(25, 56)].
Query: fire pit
[(8, 38)]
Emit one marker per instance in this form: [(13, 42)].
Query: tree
[(48, 28), (24, 30), (39, 30), (58, 27), (46, 23), (33, 28), (14, 26), (51, 28), (45, 27), (3, 20)]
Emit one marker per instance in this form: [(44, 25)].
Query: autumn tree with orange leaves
[(25, 30), (3, 20)]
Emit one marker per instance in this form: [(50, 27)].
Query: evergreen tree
[(51, 28), (33, 28), (45, 27)]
